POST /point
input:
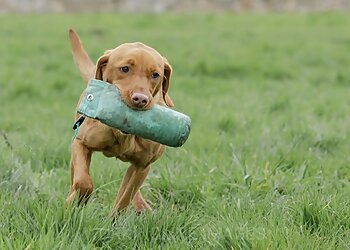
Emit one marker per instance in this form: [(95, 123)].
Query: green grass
[(267, 164)]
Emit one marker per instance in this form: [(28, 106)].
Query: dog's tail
[(81, 59)]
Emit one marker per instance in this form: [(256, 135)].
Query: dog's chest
[(133, 149), (114, 143)]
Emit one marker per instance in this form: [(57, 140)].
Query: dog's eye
[(155, 75), (124, 69)]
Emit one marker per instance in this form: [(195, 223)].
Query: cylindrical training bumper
[(102, 101)]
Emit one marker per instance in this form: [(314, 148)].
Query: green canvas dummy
[(103, 102)]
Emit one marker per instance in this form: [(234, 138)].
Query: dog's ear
[(101, 65), (166, 83)]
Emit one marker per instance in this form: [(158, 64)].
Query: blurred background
[(58, 6)]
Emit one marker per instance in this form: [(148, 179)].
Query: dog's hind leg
[(130, 186), (140, 204), (81, 183)]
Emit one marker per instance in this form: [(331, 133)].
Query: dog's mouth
[(131, 105), (140, 109), (135, 99)]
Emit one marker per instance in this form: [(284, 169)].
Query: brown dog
[(143, 77)]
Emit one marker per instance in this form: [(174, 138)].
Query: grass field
[(267, 164)]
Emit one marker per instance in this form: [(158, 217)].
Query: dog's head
[(141, 74)]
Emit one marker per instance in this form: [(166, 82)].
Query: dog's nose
[(139, 100)]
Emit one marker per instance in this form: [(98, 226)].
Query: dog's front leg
[(81, 183), (130, 186)]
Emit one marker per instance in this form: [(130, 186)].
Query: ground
[(267, 162)]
